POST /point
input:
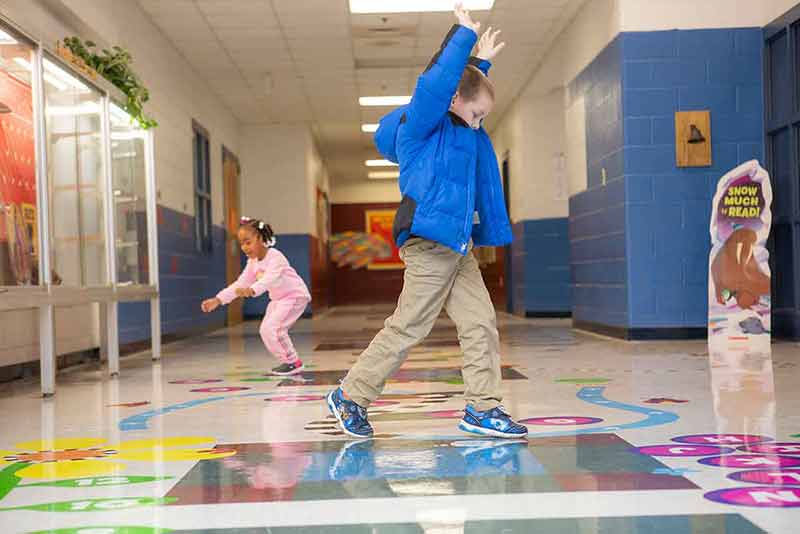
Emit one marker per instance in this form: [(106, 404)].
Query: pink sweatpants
[(280, 317)]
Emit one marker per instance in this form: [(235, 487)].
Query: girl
[(268, 269)]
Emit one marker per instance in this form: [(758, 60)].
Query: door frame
[(509, 281), (232, 202), (784, 261)]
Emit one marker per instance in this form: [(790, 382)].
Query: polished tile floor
[(624, 438)]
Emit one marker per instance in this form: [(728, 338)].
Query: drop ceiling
[(291, 61)]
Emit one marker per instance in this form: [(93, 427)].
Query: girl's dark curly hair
[(261, 228)]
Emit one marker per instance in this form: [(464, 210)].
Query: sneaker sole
[(472, 429), (290, 373), (337, 415)]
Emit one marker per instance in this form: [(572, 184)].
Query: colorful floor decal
[(561, 420), (594, 395), (587, 380), (87, 462), (94, 505), (777, 475), (666, 524), (301, 471), (664, 400), (129, 404), (447, 375), (361, 345)]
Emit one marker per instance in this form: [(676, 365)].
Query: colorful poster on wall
[(18, 231), (739, 285), (379, 223)]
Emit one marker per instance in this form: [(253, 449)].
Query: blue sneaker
[(355, 460), (352, 417), (495, 422)]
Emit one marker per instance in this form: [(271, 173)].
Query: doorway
[(231, 173)]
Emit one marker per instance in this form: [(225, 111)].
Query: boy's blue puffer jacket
[(448, 171)]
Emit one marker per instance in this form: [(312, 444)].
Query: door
[(508, 249), (231, 172), (782, 78)]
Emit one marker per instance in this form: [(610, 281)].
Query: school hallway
[(624, 438)]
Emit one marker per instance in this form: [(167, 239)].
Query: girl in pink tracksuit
[(268, 270)]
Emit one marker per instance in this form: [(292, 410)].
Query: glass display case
[(77, 197), (129, 180), (75, 174), (19, 251)]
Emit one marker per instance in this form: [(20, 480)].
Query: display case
[(77, 197)]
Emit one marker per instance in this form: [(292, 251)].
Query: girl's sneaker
[(352, 418), (495, 422), (288, 369)]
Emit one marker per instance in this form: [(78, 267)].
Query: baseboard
[(548, 314), (642, 334)]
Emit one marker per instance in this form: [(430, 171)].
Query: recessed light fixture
[(368, 101), (379, 163), (415, 6), (383, 175), (369, 128)]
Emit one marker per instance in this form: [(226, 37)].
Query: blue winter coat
[(449, 176)]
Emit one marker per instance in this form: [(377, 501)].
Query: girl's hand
[(465, 19), (245, 292), (210, 305), (487, 49)]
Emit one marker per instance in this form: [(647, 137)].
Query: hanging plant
[(115, 66)]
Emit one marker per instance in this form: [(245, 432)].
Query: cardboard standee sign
[(739, 281)]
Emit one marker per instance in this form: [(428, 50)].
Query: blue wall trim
[(639, 242), (668, 208), (540, 267), (186, 276)]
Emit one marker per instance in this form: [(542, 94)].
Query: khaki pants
[(435, 277)]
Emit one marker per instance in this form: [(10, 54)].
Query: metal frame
[(45, 297)]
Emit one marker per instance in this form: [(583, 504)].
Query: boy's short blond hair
[(472, 82)]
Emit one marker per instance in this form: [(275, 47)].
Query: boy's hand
[(487, 49), (210, 305), (245, 293), (464, 18)]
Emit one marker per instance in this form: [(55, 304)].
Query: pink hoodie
[(273, 274)]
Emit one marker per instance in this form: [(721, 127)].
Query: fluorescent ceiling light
[(369, 128), (379, 163), (383, 175), (6, 39), (384, 100), (49, 78), (415, 6)]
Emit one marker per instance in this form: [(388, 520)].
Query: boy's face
[(474, 111)]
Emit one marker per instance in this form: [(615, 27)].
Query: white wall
[(178, 95), (652, 15), (538, 126), (277, 176), (366, 192)]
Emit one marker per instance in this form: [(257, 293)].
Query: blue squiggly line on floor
[(140, 421), (592, 395)]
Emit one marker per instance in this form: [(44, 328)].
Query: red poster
[(17, 178), (379, 223)]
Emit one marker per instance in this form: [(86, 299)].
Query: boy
[(452, 199)]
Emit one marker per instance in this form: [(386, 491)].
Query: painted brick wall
[(186, 277), (540, 270), (597, 215), (668, 208)]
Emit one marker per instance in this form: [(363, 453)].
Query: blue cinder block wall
[(540, 275), (640, 242)]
